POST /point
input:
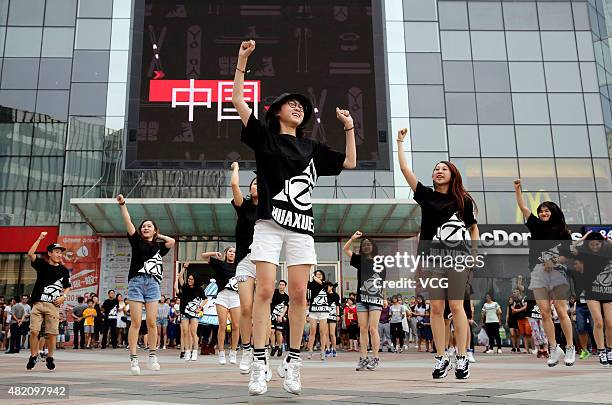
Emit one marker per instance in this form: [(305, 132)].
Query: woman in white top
[(121, 320), (491, 321)]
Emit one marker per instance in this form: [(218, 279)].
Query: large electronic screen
[(185, 56)]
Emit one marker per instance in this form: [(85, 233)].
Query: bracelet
[(349, 129), (123, 203), (243, 71)]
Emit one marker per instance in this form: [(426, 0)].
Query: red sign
[(82, 257), (19, 239)]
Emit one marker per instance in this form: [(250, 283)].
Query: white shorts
[(319, 316), (228, 299), (245, 269), (268, 241), (541, 278)]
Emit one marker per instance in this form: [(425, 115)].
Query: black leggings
[(397, 333), (492, 329)]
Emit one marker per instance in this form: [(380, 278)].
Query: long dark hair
[(322, 273), (154, 227), (556, 222), (273, 123), (421, 304), (374, 246), (460, 195)]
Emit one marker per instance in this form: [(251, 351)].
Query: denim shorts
[(162, 322), (143, 288), (364, 307), (582, 316)]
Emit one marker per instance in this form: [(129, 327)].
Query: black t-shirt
[(441, 220), (317, 297), (224, 274), (247, 215), (191, 299), (546, 243), (287, 171), (369, 281), (279, 303), (334, 302), (519, 304), (146, 257), (50, 281), (596, 281), (110, 308)]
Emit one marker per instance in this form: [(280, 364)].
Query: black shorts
[(353, 331), (467, 306), (143, 328), (278, 326), (331, 320)]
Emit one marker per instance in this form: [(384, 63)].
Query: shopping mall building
[(503, 89)]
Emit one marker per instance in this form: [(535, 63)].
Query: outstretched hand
[(401, 134), (246, 49), (120, 199), (517, 184), (344, 116)]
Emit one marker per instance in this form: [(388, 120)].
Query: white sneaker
[(451, 351), (134, 367), (257, 383), (246, 362), (570, 355), (470, 357), (282, 368), (187, 355), (555, 355), (153, 364), (499, 351), (222, 360), (232, 355), (322, 356), (292, 383), (489, 351), (194, 355)]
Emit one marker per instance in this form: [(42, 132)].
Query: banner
[(82, 258), (115, 259)]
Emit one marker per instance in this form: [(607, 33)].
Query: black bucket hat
[(54, 246), (282, 99)]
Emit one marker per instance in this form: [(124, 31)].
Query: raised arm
[(235, 183), (401, 158), (207, 255), (180, 279), (518, 192), (243, 109), (169, 242), (347, 246), (344, 116), (32, 251), (127, 220)]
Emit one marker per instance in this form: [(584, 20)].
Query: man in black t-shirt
[(109, 310), (49, 293), (520, 311), (278, 309)]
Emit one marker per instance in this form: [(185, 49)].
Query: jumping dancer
[(318, 312), (287, 169), (279, 306), (369, 298), (228, 301), (49, 293), (333, 299), (144, 278), (593, 261), (444, 207), (548, 250), (246, 209), (192, 298)]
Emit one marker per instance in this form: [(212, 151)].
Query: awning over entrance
[(216, 216)]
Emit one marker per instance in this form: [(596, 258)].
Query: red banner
[(82, 257), (19, 239)]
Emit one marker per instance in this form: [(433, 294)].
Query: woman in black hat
[(288, 166)]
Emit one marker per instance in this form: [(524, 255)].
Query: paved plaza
[(102, 377)]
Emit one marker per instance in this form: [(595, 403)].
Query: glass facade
[(504, 89)]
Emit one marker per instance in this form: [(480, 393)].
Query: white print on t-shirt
[(278, 309), (319, 303), (192, 306), (603, 282), (153, 267), (298, 188), (332, 312), (112, 314), (453, 232), (52, 292), (370, 291), (232, 284)]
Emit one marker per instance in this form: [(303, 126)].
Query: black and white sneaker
[(462, 369), (609, 357), (32, 362), (363, 364), (441, 367), (603, 358), (50, 363)]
